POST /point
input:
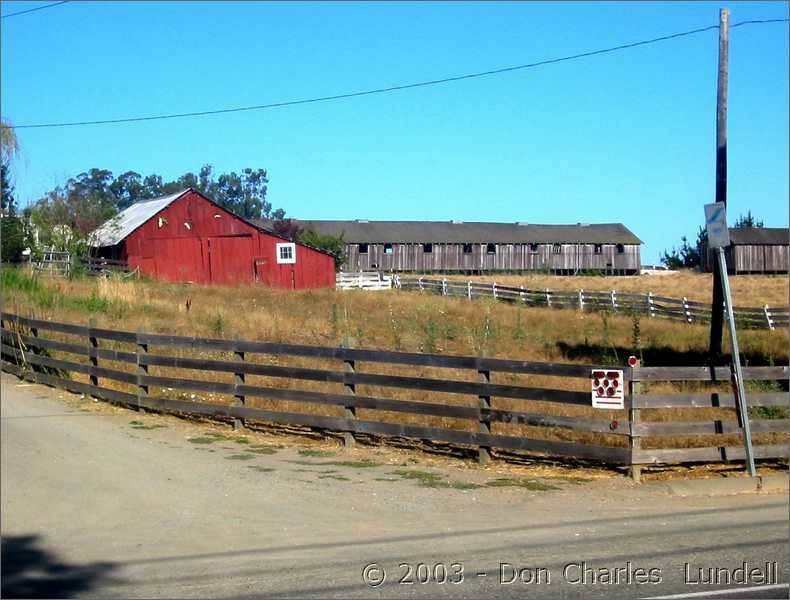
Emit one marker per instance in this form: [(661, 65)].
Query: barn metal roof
[(771, 236), (479, 232), (125, 222)]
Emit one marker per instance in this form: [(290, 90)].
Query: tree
[(127, 188), (66, 215), (748, 221), (12, 230), (7, 201), (9, 145), (334, 244), (286, 228), (687, 256)]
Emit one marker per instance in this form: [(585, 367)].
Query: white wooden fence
[(364, 280), (681, 309)]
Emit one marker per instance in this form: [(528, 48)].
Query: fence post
[(522, 295), (686, 310), (419, 281), (238, 379), (650, 308), (349, 389), (142, 370), (493, 287), (360, 280), (444, 286), (614, 301), (484, 452), (94, 360), (581, 300), (634, 441), (397, 281), (469, 290), (548, 297), (768, 318)]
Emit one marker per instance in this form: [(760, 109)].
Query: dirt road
[(113, 504)]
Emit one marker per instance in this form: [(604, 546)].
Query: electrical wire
[(30, 10), (390, 88)]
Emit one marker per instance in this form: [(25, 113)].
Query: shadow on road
[(30, 571)]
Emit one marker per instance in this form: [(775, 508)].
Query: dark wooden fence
[(613, 437), (97, 265), (679, 309)]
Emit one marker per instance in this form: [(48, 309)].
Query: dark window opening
[(598, 248), (427, 248), (387, 248), (533, 247), (363, 248), (556, 249), (490, 248), (620, 249), (467, 248)]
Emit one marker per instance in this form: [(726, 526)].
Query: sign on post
[(607, 389), (718, 239), (716, 225)]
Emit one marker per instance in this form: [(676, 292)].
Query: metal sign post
[(718, 238)]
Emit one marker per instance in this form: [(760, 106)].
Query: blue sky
[(623, 137)]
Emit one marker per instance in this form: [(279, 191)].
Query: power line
[(390, 88), (30, 10), (758, 22)]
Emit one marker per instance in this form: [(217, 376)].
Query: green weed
[(321, 453), (529, 484), (240, 457)]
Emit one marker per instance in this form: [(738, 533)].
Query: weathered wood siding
[(756, 258), (507, 257)]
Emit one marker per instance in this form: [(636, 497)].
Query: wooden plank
[(426, 408), (682, 455), (669, 300), (709, 400), (70, 385), (659, 428), (435, 385), (503, 365), (47, 325), (46, 361), (553, 448), (704, 373), (36, 341), (121, 336)]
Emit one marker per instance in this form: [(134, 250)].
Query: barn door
[(230, 260)]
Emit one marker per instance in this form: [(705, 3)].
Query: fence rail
[(364, 280), (96, 264), (612, 437), (679, 309)]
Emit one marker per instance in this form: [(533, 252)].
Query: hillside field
[(393, 320), (405, 320)]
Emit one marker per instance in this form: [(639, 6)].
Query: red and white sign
[(607, 389)]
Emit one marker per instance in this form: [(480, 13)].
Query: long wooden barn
[(754, 250), (456, 246), (187, 237)]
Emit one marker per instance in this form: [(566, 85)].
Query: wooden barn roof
[(462, 232), (759, 236)]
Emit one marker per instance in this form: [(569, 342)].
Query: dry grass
[(407, 321), (747, 290)]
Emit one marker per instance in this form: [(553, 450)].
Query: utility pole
[(717, 308)]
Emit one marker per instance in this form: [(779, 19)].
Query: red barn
[(188, 237)]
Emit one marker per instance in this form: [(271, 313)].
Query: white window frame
[(286, 261)]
